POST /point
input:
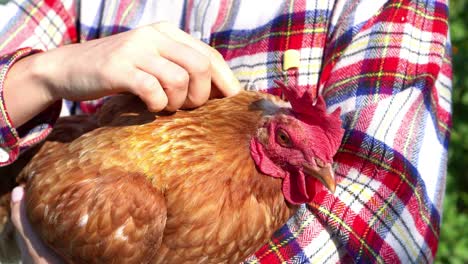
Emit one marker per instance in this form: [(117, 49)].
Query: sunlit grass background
[(453, 246)]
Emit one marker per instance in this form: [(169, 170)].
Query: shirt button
[(4, 156)]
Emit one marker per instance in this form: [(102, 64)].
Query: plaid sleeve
[(13, 141), (25, 28), (392, 76), (387, 65)]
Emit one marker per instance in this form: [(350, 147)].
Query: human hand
[(33, 249), (166, 67)]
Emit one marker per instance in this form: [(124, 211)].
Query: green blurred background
[(453, 247)]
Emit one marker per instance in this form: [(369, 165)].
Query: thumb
[(17, 195), (15, 206), (16, 198), (33, 249)]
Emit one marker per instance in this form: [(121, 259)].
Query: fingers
[(221, 75), (184, 77), (148, 88), (178, 70), (164, 66), (33, 249), (16, 198), (196, 65)]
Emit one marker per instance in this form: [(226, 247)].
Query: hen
[(207, 185)]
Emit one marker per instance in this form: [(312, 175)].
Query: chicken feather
[(146, 188), (209, 185)]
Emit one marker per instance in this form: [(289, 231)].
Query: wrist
[(27, 89), (41, 72)]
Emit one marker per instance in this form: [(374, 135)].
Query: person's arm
[(25, 92), (28, 27), (165, 67)]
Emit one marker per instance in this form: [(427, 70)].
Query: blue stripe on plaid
[(379, 154), (228, 39)]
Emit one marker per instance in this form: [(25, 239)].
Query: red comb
[(311, 109), (300, 97)]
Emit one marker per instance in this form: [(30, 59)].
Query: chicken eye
[(283, 138)]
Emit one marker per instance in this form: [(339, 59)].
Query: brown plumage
[(129, 186)]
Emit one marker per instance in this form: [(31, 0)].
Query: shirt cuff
[(14, 141)]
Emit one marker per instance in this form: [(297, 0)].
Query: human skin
[(166, 67), (33, 249)]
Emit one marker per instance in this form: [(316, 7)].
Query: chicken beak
[(322, 173)]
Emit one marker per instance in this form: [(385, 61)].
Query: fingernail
[(17, 194)]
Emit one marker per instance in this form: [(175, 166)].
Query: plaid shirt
[(385, 63)]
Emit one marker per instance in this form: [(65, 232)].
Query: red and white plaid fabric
[(385, 63)]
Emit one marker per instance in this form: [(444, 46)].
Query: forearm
[(27, 25)]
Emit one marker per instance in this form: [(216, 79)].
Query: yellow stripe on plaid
[(409, 78), (290, 12), (312, 67), (22, 26), (403, 177), (387, 41), (268, 35), (414, 43), (411, 128), (337, 219), (126, 12), (112, 9), (420, 13), (273, 248), (377, 215), (303, 225), (444, 92), (407, 242)]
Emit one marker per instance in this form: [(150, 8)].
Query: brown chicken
[(208, 185)]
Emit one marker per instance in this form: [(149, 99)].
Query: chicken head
[(297, 144)]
